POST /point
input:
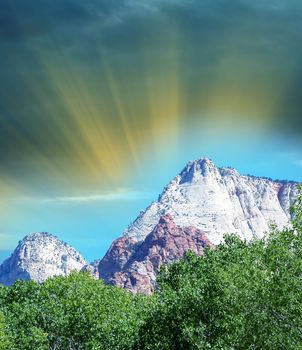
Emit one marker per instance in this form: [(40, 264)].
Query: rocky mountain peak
[(39, 256), (197, 168), (219, 201)]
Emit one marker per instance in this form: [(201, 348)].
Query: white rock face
[(40, 256), (219, 201)]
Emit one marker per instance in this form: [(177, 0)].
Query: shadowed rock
[(136, 265)]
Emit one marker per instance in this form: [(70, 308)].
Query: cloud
[(90, 197), (24, 20)]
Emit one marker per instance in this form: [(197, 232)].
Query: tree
[(241, 295), (297, 211), (4, 338), (74, 312)]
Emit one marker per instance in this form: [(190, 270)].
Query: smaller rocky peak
[(33, 235), (37, 236), (38, 256)]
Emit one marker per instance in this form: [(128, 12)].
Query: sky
[(103, 102)]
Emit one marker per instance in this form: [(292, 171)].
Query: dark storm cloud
[(205, 29), (29, 18), (26, 19), (122, 25)]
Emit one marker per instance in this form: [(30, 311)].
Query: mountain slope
[(219, 200), (134, 266), (40, 256)]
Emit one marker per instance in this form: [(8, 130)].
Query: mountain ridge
[(202, 203)]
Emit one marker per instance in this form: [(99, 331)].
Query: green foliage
[(239, 295), (296, 211), (4, 338), (74, 312)]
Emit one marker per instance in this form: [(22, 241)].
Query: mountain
[(219, 200), (196, 209), (134, 266), (39, 256)]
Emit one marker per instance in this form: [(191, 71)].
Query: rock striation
[(134, 265), (39, 256)]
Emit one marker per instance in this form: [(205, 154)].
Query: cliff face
[(40, 256), (219, 200), (134, 266), (205, 202)]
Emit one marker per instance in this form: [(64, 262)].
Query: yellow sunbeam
[(120, 108), (241, 90), (163, 92), (97, 123), (79, 115)]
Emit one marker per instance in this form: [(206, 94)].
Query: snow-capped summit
[(219, 201), (39, 256)]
